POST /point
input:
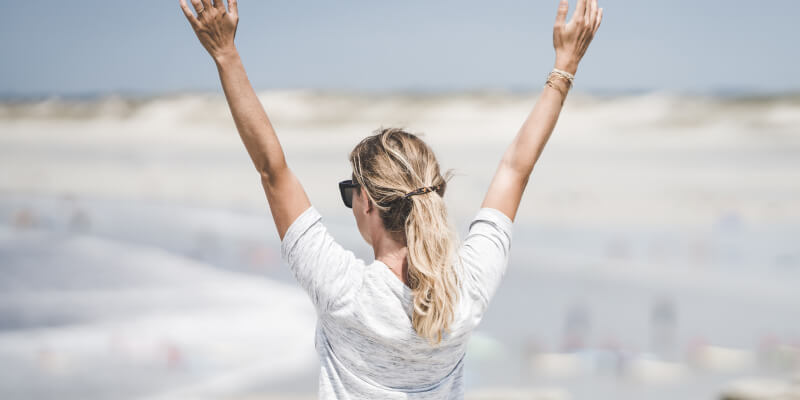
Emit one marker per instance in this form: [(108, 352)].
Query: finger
[(591, 13), (580, 10), (217, 4), (197, 6), (233, 7), (188, 12), (207, 4), (563, 9), (599, 19)]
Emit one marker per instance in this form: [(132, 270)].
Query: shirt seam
[(298, 228)]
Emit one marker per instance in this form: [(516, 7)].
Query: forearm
[(532, 137), (570, 40), (249, 116), (508, 185), (215, 26)]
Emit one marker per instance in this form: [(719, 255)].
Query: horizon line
[(720, 92)]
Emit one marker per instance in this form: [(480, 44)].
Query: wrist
[(226, 56), (567, 65)]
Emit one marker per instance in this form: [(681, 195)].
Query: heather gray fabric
[(366, 344)]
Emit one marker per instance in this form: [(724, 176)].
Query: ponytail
[(430, 266)]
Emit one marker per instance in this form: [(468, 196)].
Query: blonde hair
[(389, 164)]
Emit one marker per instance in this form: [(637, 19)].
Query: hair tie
[(422, 190)]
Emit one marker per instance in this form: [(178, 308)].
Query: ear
[(363, 195)]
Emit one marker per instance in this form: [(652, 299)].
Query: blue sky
[(91, 46)]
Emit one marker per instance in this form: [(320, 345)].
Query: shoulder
[(493, 216), (299, 228)]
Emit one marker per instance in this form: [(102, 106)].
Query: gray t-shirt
[(366, 344)]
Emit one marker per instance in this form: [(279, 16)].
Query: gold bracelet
[(555, 75), (559, 90)]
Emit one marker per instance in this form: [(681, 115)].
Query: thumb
[(563, 8), (233, 7)]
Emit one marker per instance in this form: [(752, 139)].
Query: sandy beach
[(655, 253)]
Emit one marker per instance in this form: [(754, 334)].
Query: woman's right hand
[(571, 39), (214, 25)]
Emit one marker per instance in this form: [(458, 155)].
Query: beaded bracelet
[(565, 74)]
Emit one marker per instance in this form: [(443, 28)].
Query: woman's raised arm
[(215, 26), (570, 39)]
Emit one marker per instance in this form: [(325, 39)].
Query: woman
[(398, 327)]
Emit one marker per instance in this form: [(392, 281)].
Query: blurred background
[(656, 253)]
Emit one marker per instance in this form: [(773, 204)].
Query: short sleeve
[(484, 252), (328, 272)]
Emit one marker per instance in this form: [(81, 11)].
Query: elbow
[(270, 173), (270, 166), (266, 176), (516, 172), (520, 169)]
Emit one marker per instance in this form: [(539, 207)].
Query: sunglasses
[(346, 188)]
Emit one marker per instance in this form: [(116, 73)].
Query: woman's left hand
[(571, 39), (214, 25)]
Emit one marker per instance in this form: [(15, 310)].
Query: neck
[(393, 254)]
